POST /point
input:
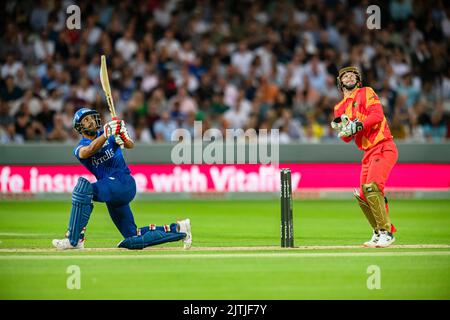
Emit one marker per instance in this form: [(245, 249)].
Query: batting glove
[(123, 136), (112, 128), (118, 140)]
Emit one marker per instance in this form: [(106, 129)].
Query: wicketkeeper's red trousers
[(377, 164)]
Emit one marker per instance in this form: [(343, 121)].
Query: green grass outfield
[(235, 253)]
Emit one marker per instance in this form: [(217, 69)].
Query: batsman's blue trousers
[(117, 192)]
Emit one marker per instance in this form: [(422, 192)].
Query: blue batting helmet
[(80, 114)]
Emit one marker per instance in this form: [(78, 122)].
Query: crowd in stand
[(230, 64)]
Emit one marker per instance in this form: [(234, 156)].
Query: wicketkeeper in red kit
[(359, 116)]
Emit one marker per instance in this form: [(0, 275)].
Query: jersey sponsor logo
[(97, 161)]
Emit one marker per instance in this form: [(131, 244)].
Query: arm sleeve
[(375, 116), (373, 105), (83, 143)]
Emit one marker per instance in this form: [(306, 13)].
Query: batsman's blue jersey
[(106, 162)]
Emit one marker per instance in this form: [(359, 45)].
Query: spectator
[(189, 123), (141, 131), (414, 35), (205, 90), (46, 117), (150, 78), (177, 57), (126, 46), (398, 129), (85, 91), (10, 91), (170, 44), (11, 67), (67, 116), (93, 69), (416, 131), (43, 47), (176, 114), (407, 89), (23, 81), (39, 16), (57, 133), (26, 126), (238, 116), (436, 130), (316, 73), (33, 101), (187, 80), (267, 90), (289, 126), (5, 117), (242, 58), (400, 9), (187, 103), (164, 127), (8, 135), (186, 54), (218, 105), (314, 130), (55, 101), (92, 31)]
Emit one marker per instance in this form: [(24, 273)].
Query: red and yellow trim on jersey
[(367, 144), (371, 97)]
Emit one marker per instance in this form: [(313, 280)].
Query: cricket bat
[(106, 88), (104, 79)]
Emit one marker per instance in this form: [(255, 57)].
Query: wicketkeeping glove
[(356, 126), (351, 128), (336, 124)]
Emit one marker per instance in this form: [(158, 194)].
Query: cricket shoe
[(385, 240), (64, 244), (185, 227), (372, 243)]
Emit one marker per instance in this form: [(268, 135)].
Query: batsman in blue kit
[(100, 152)]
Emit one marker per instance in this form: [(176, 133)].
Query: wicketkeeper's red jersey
[(365, 105)]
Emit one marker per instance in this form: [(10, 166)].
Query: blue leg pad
[(81, 209), (144, 230), (150, 238)]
